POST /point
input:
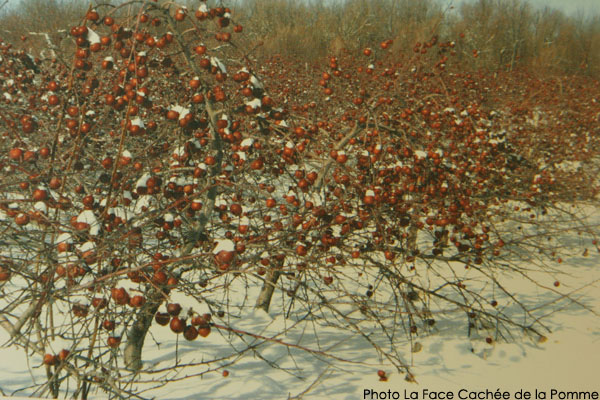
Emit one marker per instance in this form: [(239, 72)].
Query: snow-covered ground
[(448, 360), (325, 362)]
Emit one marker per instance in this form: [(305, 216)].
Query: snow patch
[(224, 245), (88, 217)]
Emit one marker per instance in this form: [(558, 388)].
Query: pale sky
[(570, 7)]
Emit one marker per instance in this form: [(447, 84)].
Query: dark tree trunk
[(266, 293)]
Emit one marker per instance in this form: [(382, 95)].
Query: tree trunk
[(266, 293), (411, 240), (137, 333)]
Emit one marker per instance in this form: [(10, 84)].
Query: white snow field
[(299, 357)]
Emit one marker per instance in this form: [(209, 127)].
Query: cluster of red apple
[(55, 359), (199, 324)]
